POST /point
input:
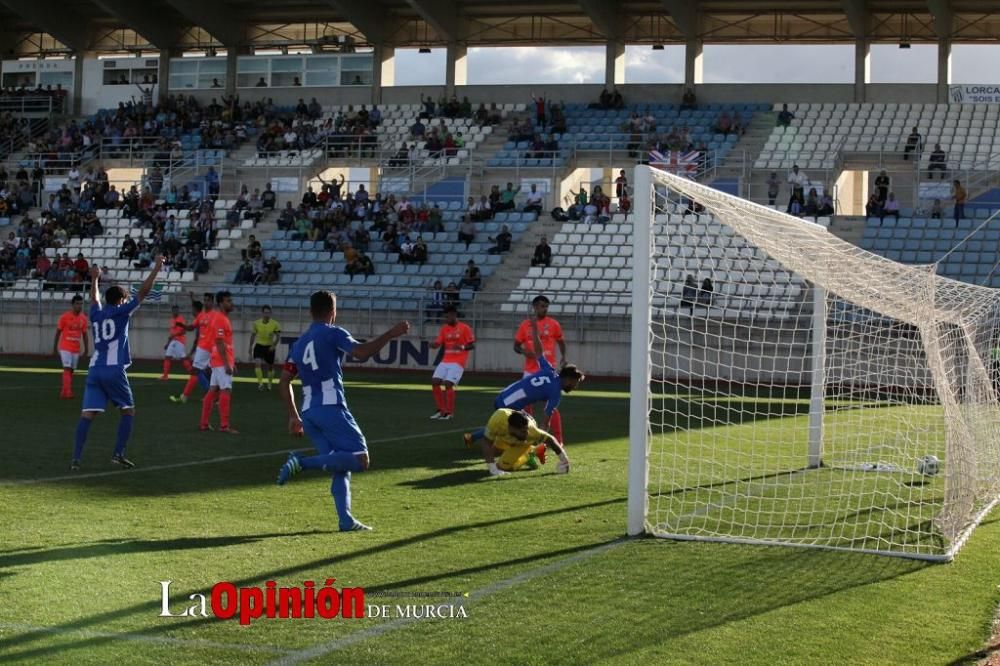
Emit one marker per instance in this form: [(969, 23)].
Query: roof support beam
[(366, 16), (857, 17), (943, 17), (442, 15), (224, 25), (56, 19), (159, 31), (606, 15), (685, 15)]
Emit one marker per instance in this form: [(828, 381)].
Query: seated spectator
[(390, 239), (812, 203), (785, 116), (406, 247), (507, 197), (826, 205), (268, 198), (466, 232), (693, 208), (435, 220), (244, 274), (128, 250), (420, 251), (362, 264), (937, 211), (417, 130), (272, 268), (891, 207), (452, 295), (435, 302), (874, 207), (689, 293), (533, 202), (481, 210), (913, 144), (503, 241), (471, 278), (543, 253), (724, 123), (938, 161), (688, 100)]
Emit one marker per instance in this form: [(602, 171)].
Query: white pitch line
[(209, 461), (144, 638), (499, 586)]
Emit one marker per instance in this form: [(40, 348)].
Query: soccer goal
[(810, 393)]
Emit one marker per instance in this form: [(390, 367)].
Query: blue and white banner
[(155, 295), (978, 93)]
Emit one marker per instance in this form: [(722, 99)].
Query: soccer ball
[(929, 465)]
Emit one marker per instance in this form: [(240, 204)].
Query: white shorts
[(449, 372), (201, 358), (69, 359), (175, 350), (220, 379)]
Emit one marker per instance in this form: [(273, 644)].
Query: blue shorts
[(104, 384), (332, 429)]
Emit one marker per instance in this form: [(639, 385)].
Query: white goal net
[(790, 388)]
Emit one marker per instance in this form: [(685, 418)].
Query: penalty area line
[(483, 592), (142, 638), (210, 461)]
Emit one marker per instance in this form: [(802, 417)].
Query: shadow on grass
[(153, 605), (107, 547)]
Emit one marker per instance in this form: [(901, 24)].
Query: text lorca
[(309, 601)]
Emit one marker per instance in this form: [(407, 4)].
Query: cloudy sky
[(722, 64)]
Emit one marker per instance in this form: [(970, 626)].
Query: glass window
[(322, 63), (207, 81), (65, 79), (328, 78), (183, 81), (212, 66), (286, 79), (249, 80), (356, 63), (251, 65), (183, 66), (286, 65), (355, 78)]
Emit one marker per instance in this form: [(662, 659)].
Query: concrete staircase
[(741, 157), (515, 263), (230, 258)]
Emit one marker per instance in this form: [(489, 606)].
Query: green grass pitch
[(549, 577)]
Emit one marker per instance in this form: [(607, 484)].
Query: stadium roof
[(118, 25)]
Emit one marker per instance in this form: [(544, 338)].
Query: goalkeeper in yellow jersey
[(264, 340), (513, 436)]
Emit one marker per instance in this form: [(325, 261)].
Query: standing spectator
[(689, 293), (543, 253), (705, 293), (798, 181), (466, 232), (939, 161), (539, 110), (785, 116), (959, 194), (621, 184), (472, 277), (688, 100), (882, 183), (534, 201), (773, 185), (913, 143)]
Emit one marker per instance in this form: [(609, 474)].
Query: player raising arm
[(70, 330), (106, 377), (513, 436), (316, 358)]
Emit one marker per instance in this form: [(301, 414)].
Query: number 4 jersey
[(317, 356), (543, 385), (109, 324)]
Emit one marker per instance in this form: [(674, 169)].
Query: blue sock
[(203, 380), (478, 434), (82, 428), (124, 431), (336, 461), (340, 488)]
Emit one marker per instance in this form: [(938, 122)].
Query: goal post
[(789, 387)]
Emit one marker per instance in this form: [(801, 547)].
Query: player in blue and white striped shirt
[(106, 378), (316, 358)]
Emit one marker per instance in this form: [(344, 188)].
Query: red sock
[(224, 403), (527, 410), (438, 397), (166, 367), (187, 365), (189, 387), (206, 406), (449, 399), (555, 426), (67, 381)]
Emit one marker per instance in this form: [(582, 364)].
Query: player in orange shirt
[(457, 339), (551, 335), (202, 353), (174, 349), (223, 362), (70, 330)]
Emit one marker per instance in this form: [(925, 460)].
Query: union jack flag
[(675, 161)]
